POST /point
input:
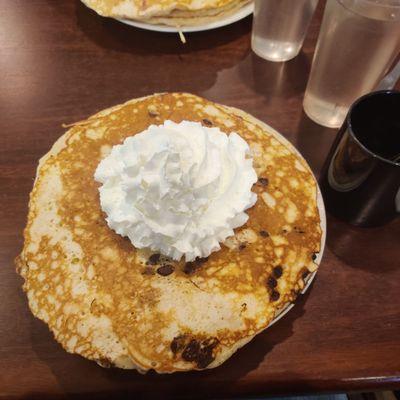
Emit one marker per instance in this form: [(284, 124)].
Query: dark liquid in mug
[(360, 180), (377, 128)]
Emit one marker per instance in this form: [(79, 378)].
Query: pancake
[(177, 13), (129, 308)]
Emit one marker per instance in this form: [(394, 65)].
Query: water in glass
[(357, 44), (279, 27)]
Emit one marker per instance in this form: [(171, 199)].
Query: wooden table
[(60, 62)]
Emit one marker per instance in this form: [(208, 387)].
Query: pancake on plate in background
[(177, 13)]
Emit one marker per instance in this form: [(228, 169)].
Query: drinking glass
[(358, 42), (279, 27)]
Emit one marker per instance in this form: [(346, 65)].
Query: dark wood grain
[(60, 62)]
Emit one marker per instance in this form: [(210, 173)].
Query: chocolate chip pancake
[(130, 308), (177, 13)]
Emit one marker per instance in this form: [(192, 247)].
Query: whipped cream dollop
[(177, 188)]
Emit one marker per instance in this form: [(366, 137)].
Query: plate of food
[(174, 15), (167, 232)]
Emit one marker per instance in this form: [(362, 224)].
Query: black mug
[(360, 180)]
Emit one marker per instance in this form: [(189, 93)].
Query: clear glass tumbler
[(279, 27), (358, 42)]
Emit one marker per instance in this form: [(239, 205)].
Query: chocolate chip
[(272, 282), (264, 234), (242, 246), (165, 270), (205, 356), (192, 266), (207, 122), (191, 351), (277, 271), (305, 274), (154, 259), (284, 231), (274, 296), (263, 181), (314, 256), (298, 230), (178, 343)]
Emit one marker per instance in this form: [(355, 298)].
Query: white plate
[(230, 19)]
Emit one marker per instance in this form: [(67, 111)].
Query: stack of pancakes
[(130, 308), (178, 13)]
